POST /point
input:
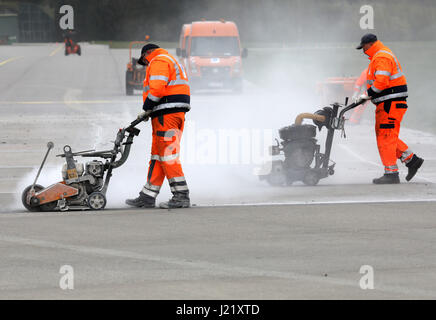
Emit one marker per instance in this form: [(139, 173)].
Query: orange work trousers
[(388, 116), (165, 154)]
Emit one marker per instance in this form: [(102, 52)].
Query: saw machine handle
[(351, 106), (131, 128), (133, 131), (339, 121)]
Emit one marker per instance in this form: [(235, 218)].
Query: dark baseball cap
[(367, 38), (144, 49)]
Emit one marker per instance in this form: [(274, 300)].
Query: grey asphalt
[(242, 240)]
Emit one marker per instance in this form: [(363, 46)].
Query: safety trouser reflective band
[(170, 157), (406, 156), (391, 169), (178, 184), (151, 190), (166, 134), (177, 179), (179, 188)]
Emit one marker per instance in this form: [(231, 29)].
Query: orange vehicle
[(336, 89), (213, 55), (135, 73), (183, 43)]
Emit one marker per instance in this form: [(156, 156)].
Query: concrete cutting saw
[(84, 186)]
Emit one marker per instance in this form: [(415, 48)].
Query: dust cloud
[(227, 135)]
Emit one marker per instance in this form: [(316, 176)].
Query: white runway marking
[(298, 203), (357, 156), (213, 268)]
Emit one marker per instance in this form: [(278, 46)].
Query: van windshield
[(215, 46)]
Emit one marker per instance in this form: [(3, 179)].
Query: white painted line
[(357, 156), (17, 167), (27, 214), (298, 203), (213, 268)]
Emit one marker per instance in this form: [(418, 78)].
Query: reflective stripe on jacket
[(166, 86), (385, 79)]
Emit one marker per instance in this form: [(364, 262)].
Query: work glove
[(145, 115), (355, 97), (363, 97)]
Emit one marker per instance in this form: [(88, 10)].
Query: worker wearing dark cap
[(387, 89), (166, 99)]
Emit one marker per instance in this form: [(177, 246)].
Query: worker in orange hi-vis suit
[(359, 86), (387, 89), (166, 99)]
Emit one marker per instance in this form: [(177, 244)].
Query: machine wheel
[(129, 88), (51, 206), (96, 201), (311, 178), (24, 197), (277, 177)]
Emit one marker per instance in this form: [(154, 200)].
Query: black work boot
[(143, 201), (388, 178), (413, 165), (180, 199)]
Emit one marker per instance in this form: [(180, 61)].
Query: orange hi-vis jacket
[(385, 80), (166, 86)]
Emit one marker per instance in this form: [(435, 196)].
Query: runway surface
[(242, 239)]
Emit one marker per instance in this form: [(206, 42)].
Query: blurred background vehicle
[(212, 54), (135, 73)]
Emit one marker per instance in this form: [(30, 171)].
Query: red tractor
[(71, 46), (135, 73)]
